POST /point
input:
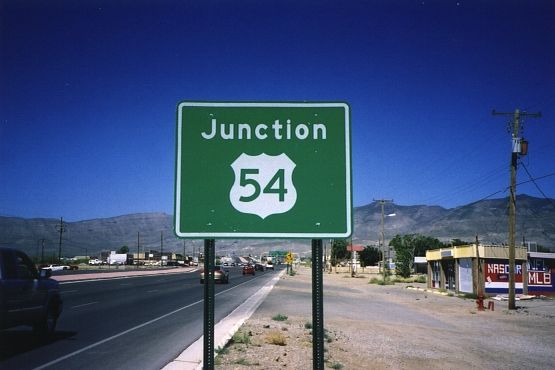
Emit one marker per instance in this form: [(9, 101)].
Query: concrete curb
[(191, 358)]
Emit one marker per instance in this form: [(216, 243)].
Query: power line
[(520, 183), (534, 182)]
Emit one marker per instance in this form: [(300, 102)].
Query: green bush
[(421, 279), (242, 338), (280, 317), (221, 351), (411, 279), (381, 281)]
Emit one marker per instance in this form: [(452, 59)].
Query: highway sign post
[(263, 170)]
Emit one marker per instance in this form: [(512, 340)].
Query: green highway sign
[(263, 170)]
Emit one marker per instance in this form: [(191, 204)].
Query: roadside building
[(420, 265), (485, 269), (541, 273)]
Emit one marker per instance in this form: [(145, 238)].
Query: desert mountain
[(486, 218)]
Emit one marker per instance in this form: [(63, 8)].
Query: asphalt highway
[(130, 323)]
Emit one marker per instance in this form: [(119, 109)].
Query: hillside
[(487, 219)]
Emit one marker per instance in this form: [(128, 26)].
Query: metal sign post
[(317, 306), (209, 253)]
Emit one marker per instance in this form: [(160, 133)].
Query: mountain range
[(486, 219)]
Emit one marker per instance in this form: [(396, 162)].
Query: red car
[(248, 269)]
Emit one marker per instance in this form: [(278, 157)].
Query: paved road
[(132, 323)]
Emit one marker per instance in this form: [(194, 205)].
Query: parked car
[(27, 296), (220, 275), (248, 270), (56, 267)]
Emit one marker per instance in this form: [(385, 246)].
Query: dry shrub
[(277, 338)]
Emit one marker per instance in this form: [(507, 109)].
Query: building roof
[(541, 255), (420, 260), (355, 248)]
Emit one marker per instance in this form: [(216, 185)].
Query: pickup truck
[(27, 297)]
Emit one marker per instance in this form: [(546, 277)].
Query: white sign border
[(218, 235)]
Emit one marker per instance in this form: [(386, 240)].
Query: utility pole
[(42, 256), (382, 202), (138, 248), (42, 252), (61, 229), (161, 246), (517, 148)]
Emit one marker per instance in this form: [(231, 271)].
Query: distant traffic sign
[(268, 170)]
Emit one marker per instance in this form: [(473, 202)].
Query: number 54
[(275, 186)]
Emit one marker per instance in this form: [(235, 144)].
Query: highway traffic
[(126, 323)]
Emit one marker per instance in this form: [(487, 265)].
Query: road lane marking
[(152, 291), (69, 291), (115, 336), (72, 354), (224, 329), (83, 305)]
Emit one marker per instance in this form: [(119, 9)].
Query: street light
[(383, 240)]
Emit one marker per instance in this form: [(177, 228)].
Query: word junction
[(262, 131)]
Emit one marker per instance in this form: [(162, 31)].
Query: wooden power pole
[(517, 148)]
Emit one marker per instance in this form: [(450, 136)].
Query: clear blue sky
[(88, 93)]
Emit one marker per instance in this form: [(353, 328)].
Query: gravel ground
[(390, 327)]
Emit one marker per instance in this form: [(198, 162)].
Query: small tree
[(123, 250), (339, 251), (423, 243), (404, 254), (369, 256), (407, 247)]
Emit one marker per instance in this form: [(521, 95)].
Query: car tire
[(47, 326), (202, 281)]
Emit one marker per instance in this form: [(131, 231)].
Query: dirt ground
[(397, 326)]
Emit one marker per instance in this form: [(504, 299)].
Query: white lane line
[(68, 291), (114, 337), (69, 355), (83, 305), (152, 291)]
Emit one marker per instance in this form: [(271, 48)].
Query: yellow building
[(476, 269)]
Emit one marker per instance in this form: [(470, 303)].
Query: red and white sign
[(497, 275)]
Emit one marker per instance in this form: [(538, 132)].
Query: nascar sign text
[(264, 170)]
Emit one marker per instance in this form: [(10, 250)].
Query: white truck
[(268, 262), (117, 258)]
